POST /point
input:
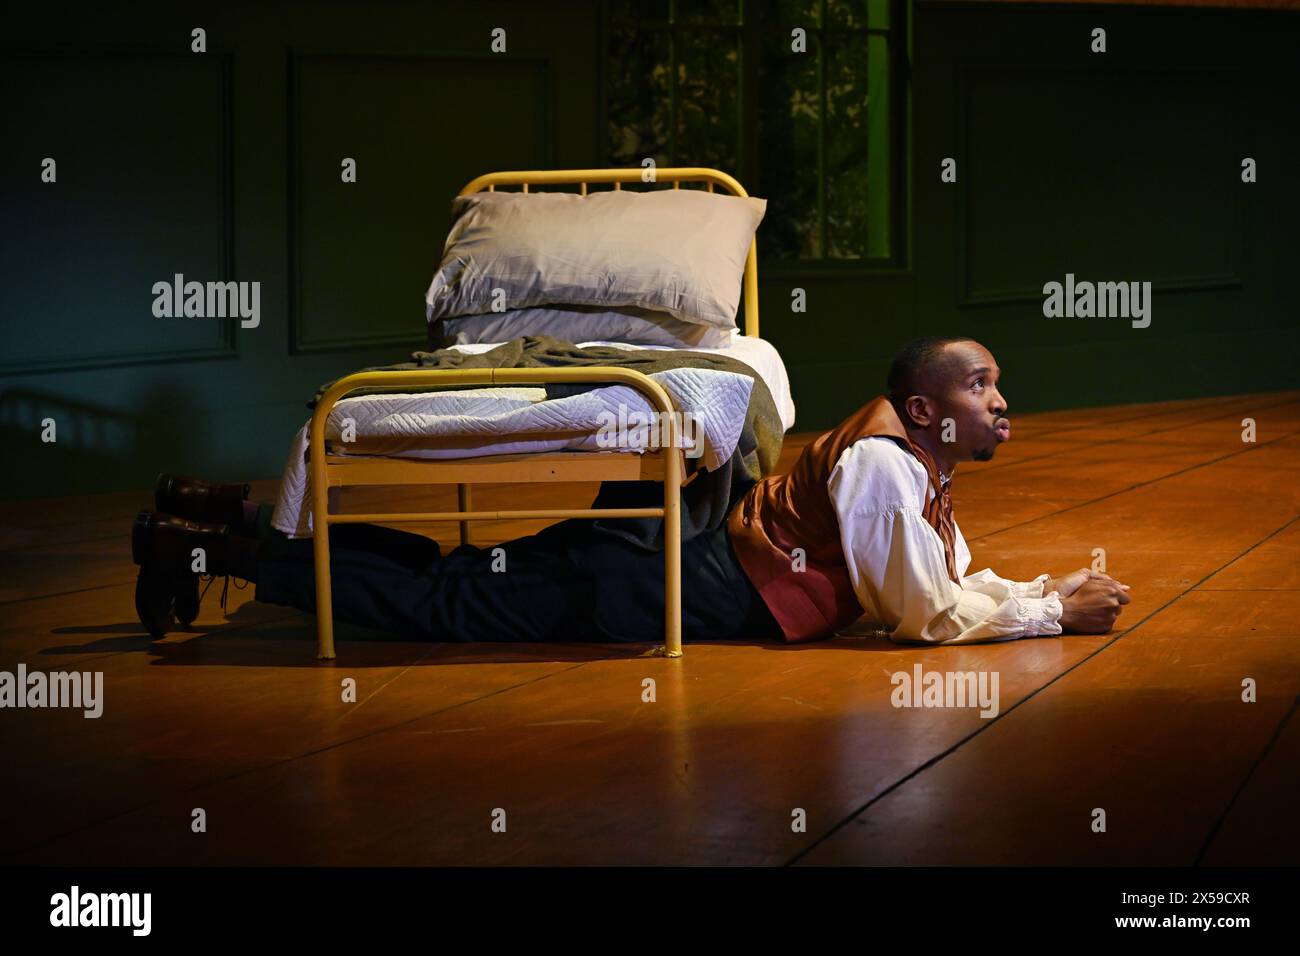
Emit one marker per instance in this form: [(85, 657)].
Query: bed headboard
[(665, 174)]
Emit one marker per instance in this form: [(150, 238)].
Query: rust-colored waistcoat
[(794, 510)]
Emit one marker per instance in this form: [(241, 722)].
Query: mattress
[(512, 420)]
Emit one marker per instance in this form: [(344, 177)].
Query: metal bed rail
[(326, 474)]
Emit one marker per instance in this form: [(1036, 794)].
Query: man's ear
[(918, 409)]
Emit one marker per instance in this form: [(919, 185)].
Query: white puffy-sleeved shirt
[(897, 565)]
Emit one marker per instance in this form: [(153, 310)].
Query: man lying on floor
[(863, 522)]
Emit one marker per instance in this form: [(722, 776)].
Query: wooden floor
[(1147, 723)]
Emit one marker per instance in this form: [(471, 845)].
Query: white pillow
[(680, 251), (578, 323)]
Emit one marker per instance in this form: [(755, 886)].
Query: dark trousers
[(567, 583)]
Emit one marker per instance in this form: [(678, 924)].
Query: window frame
[(752, 19)]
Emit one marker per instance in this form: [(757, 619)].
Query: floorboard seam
[(278, 763), (58, 594), (1118, 441), (1140, 484), (1024, 700), (1272, 741)]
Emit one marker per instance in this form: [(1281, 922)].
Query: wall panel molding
[(533, 94), (970, 74), (118, 240)]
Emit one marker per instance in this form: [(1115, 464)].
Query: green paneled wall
[(225, 165), (1115, 165)]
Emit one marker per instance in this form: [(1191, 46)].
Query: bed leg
[(672, 556), (321, 557), (463, 502)]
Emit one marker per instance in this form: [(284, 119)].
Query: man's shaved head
[(947, 392), (923, 366)]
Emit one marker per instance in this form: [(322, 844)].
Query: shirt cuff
[(1040, 617), (1030, 589)]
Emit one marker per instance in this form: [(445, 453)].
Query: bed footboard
[(666, 464)]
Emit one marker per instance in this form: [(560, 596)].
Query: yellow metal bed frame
[(332, 473)]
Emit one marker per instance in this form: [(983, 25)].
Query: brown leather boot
[(163, 545), (200, 500)]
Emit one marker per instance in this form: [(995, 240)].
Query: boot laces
[(225, 588)]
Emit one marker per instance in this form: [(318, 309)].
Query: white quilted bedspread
[(501, 420)]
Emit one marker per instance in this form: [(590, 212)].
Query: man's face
[(964, 388)]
